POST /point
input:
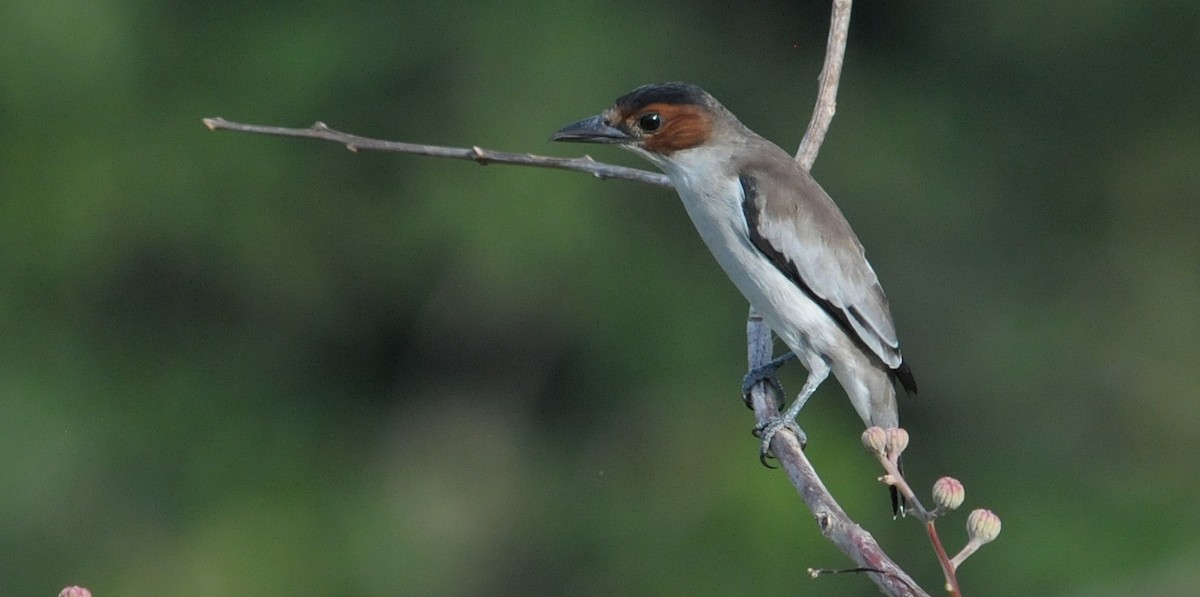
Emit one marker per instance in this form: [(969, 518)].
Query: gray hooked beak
[(590, 130)]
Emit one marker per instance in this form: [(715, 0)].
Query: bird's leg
[(765, 373), (817, 372)]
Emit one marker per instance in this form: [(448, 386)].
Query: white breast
[(714, 200)]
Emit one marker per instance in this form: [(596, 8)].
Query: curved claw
[(766, 432), (765, 373), (764, 451)]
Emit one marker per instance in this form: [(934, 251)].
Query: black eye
[(650, 122)]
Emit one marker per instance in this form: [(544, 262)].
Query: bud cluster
[(983, 526), (888, 443)]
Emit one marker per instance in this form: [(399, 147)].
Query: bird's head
[(655, 121)]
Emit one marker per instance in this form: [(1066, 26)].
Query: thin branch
[(896, 479), (831, 72), (475, 154), (944, 561), (832, 520)]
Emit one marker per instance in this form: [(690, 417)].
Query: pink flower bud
[(897, 441), (982, 526), (948, 493), (74, 592), (875, 439)]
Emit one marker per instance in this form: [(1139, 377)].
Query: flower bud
[(948, 493), (875, 439), (982, 526), (74, 592), (897, 441)]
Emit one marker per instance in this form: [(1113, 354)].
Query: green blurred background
[(242, 365)]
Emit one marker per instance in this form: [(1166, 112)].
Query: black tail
[(905, 375), (899, 504)]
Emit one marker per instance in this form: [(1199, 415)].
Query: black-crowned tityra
[(778, 236)]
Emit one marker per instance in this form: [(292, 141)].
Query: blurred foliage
[(238, 365)]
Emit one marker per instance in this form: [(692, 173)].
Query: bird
[(778, 236)]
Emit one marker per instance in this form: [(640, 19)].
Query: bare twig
[(475, 154), (831, 72), (832, 520), (895, 478), (944, 561)]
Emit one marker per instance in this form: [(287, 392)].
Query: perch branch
[(475, 154), (832, 520)]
